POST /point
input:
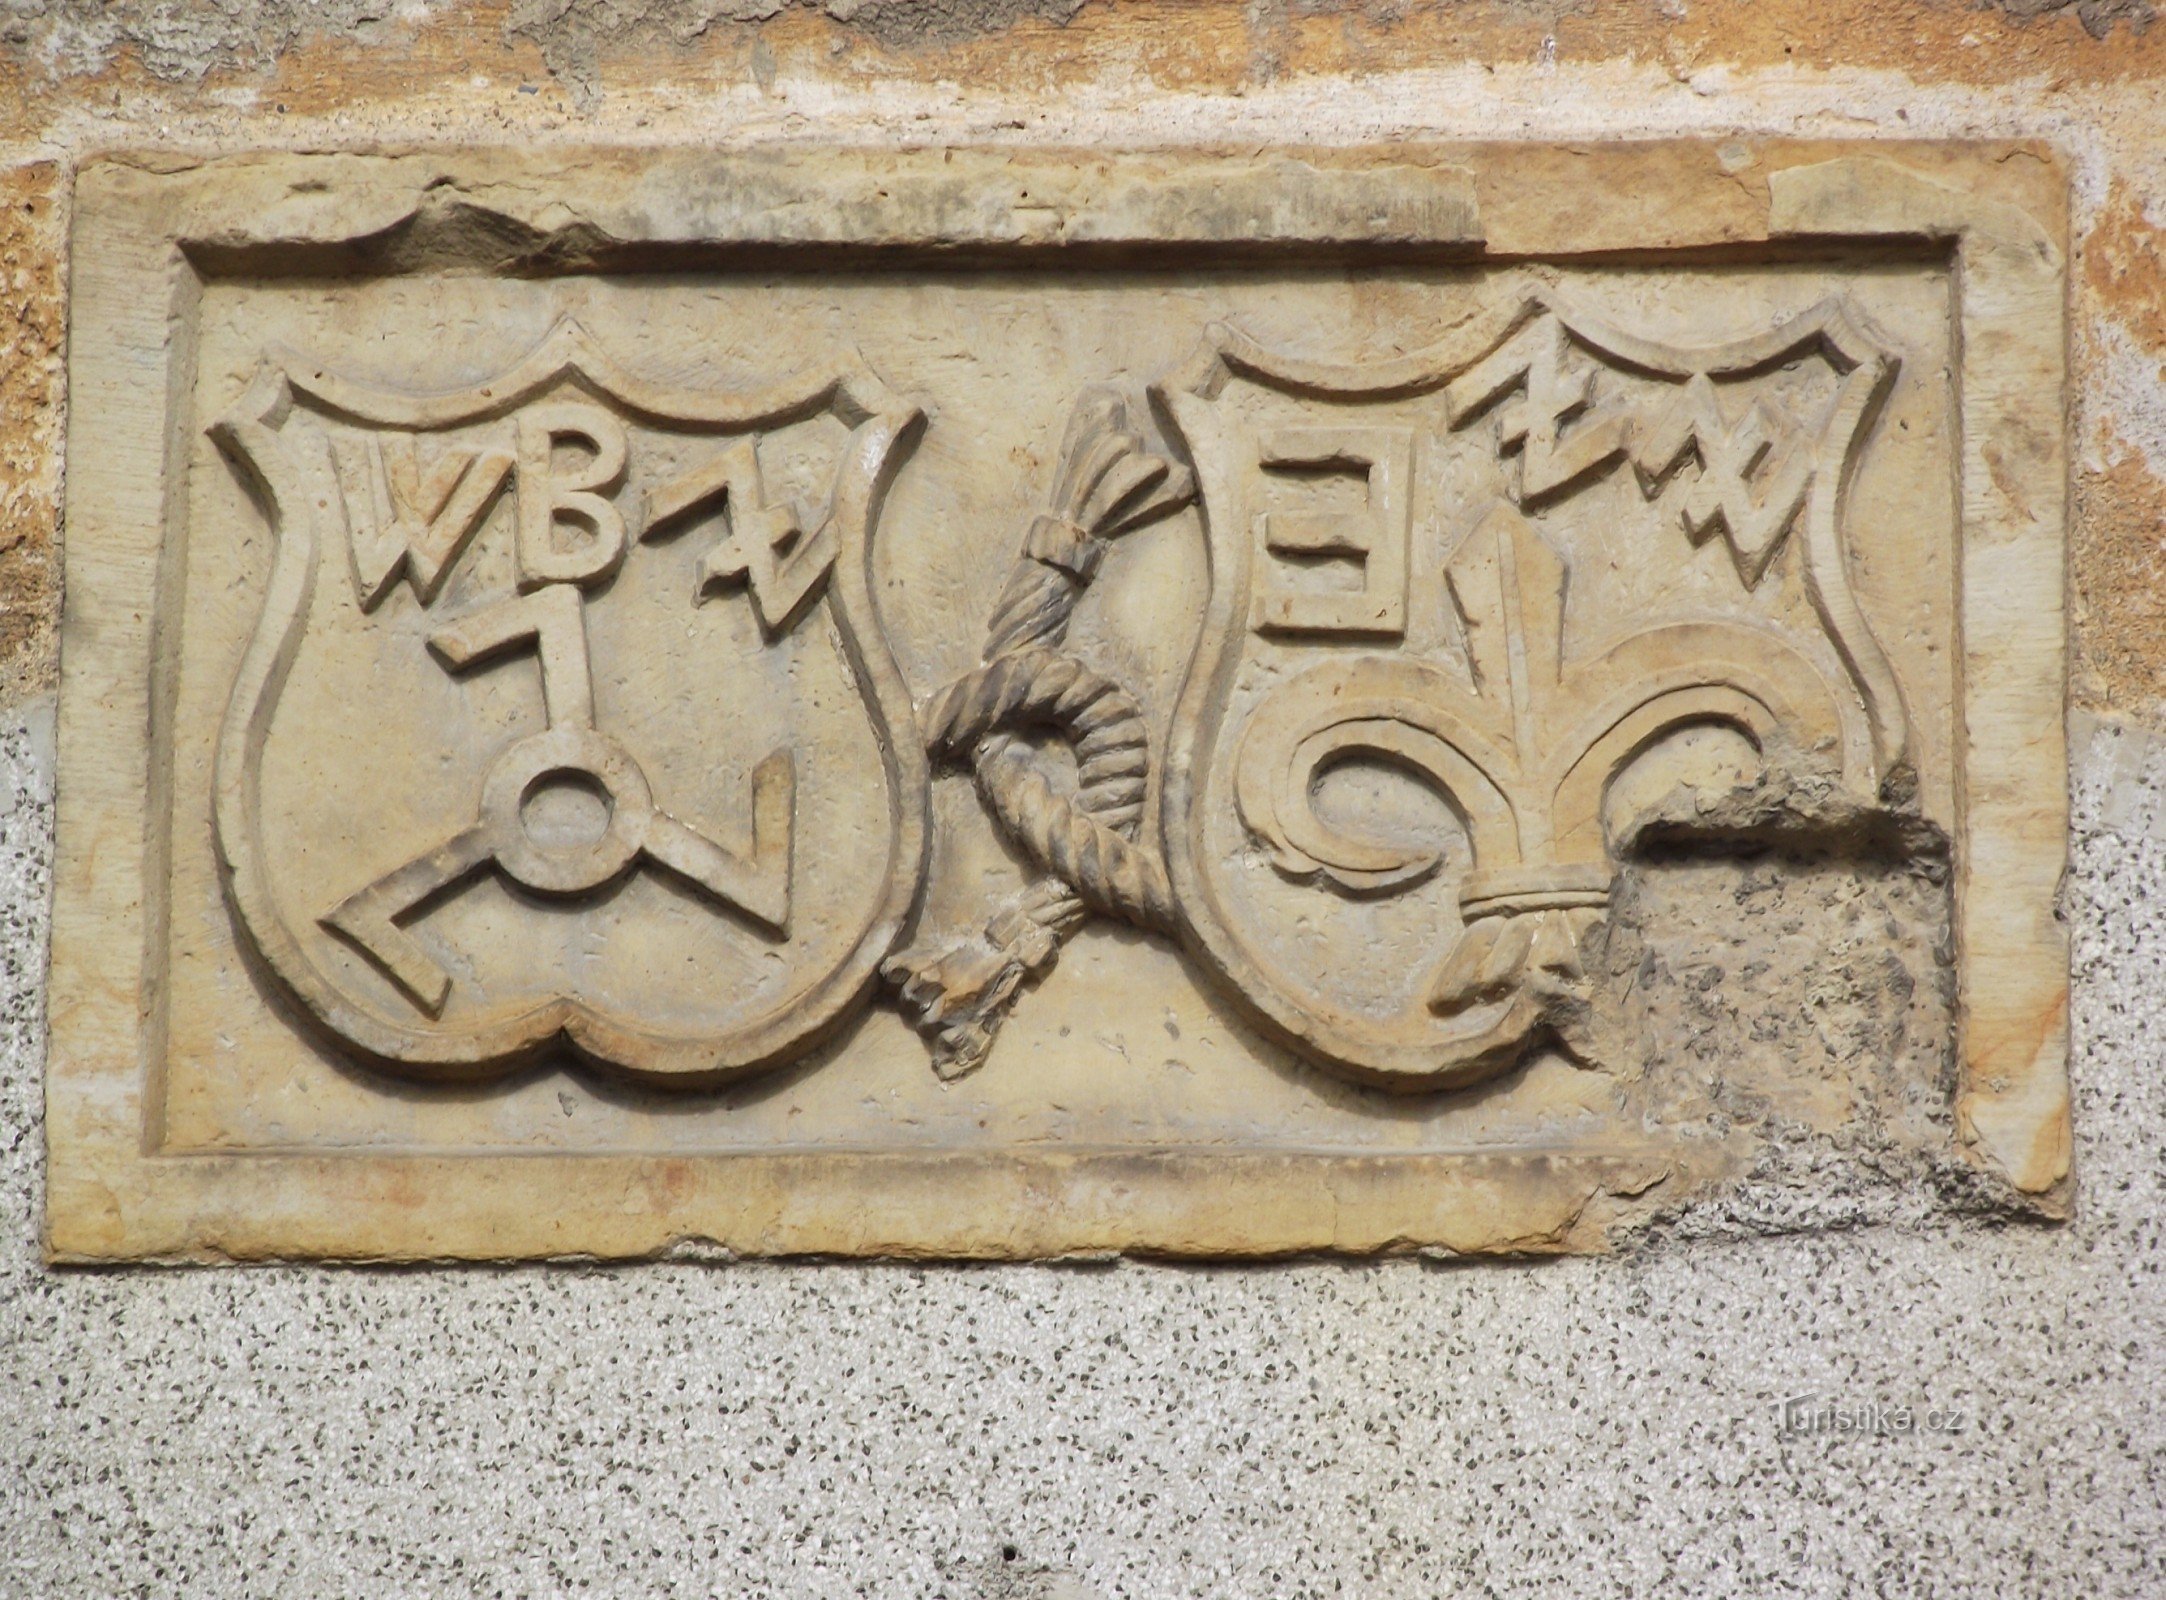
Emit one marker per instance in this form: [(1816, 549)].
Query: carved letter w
[(401, 519)]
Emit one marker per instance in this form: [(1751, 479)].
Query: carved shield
[(1476, 613), (567, 717)]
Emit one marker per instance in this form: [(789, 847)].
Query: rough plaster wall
[(1577, 1428)]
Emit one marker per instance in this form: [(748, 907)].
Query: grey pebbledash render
[(946, 703)]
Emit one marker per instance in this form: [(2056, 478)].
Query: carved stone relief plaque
[(1493, 699)]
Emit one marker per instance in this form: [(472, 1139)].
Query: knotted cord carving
[(1085, 842), (1109, 483)]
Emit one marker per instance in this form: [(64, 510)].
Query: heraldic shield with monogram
[(988, 703), (455, 559)]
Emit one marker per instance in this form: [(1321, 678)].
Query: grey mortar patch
[(2097, 16), (178, 43), (186, 43), (572, 34)]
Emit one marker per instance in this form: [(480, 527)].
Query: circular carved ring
[(561, 867)]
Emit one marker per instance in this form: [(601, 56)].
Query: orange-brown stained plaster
[(2117, 557), (33, 324), (1200, 45), (2123, 261)]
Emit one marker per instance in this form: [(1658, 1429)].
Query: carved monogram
[(1475, 569)]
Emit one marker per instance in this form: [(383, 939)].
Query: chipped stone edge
[(2012, 1106)]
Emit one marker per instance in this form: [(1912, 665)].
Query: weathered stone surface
[(1320, 688)]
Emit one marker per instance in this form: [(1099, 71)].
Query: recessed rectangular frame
[(149, 230)]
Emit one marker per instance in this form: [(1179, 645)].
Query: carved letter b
[(577, 500)]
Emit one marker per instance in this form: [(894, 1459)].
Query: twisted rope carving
[(1084, 841), (1108, 483)]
